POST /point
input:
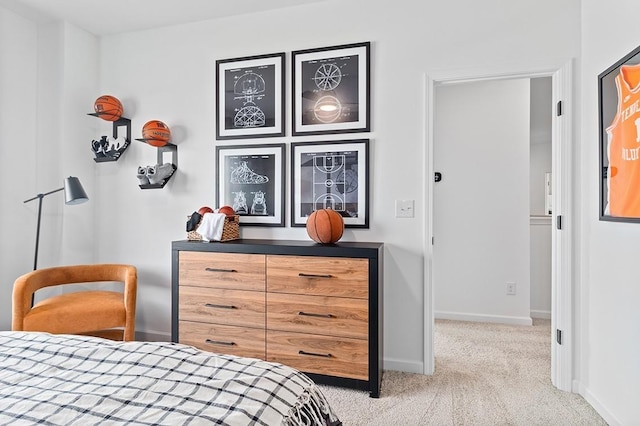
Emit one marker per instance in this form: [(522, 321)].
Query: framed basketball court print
[(334, 175), (331, 90), (619, 120), (250, 97), (250, 178)]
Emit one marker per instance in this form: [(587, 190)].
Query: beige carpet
[(486, 374)]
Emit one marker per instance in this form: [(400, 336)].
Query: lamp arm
[(39, 197), (44, 195)]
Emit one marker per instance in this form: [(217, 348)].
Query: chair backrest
[(25, 286)]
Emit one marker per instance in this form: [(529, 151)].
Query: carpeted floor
[(486, 374)]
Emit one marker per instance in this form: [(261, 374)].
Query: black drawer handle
[(211, 305), (302, 274), (307, 314), (314, 354), (218, 342), (219, 270)]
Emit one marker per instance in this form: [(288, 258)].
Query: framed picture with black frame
[(619, 148), (250, 97), (250, 178), (331, 174), (331, 88)]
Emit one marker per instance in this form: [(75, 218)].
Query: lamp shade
[(73, 191)]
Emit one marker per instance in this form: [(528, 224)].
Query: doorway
[(561, 325)]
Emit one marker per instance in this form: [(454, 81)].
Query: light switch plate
[(404, 208)]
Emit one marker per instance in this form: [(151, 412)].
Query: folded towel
[(211, 226)]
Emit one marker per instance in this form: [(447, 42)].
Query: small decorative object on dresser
[(325, 226), (213, 226), (316, 308)]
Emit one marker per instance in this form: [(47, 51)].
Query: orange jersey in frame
[(624, 146)]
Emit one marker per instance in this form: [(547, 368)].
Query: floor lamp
[(73, 194)]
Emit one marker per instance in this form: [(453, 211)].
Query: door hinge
[(559, 336), (432, 240), (559, 222), (559, 109)]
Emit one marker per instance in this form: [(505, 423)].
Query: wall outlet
[(511, 289)]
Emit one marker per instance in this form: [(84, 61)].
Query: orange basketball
[(108, 107), (228, 210), (156, 133), (325, 226)]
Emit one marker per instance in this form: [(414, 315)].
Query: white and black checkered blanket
[(76, 380)]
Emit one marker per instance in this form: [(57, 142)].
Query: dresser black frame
[(372, 251)]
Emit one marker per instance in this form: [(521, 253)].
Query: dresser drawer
[(326, 355), (330, 316), (222, 306), (222, 270), (324, 276), (226, 339)]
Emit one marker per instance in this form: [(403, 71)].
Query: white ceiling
[(102, 17)]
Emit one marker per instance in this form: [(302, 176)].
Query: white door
[(481, 262)]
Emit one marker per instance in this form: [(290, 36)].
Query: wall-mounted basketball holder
[(163, 171), (111, 149)]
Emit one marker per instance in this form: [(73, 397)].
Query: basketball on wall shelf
[(108, 108), (156, 133), (325, 226)]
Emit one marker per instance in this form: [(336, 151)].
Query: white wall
[(43, 68), (18, 63), (481, 206), (610, 290), (540, 225), (169, 74)]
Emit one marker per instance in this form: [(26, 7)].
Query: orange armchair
[(108, 314)]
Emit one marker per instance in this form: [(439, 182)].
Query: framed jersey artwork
[(619, 147)]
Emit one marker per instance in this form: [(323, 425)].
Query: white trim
[(403, 365), (428, 315), (540, 314), (600, 408), (562, 250), (496, 319), (561, 240)]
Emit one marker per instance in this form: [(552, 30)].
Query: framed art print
[(250, 178), (333, 174), (250, 97), (331, 90), (619, 120)]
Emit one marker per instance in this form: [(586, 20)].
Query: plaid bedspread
[(76, 380)]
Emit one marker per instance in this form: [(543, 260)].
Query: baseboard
[(153, 336), (600, 408), (540, 314), (500, 319), (402, 365)]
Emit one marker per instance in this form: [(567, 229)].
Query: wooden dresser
[(317, 308)]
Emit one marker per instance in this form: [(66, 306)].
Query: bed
[(80, 380)]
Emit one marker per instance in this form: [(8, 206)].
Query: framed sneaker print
[(250, 97), (332, 174), (250, 179), (619, 111), (331, 90)]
